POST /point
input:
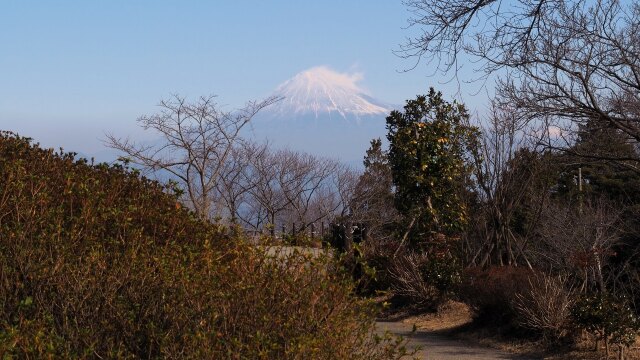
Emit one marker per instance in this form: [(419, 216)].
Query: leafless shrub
[(407, 281), (546, 306)]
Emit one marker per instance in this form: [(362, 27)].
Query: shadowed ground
[(440, 347)]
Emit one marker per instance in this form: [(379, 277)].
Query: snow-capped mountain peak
[(321, 91), (322, 112)]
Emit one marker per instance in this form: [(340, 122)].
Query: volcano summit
[(323, 112), (321, 92)]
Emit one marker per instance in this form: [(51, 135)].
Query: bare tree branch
[(197, 140)]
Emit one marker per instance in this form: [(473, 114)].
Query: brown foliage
[(97, 262), (490, 293)]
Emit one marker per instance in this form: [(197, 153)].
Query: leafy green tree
[(609, 318), (429, 144)]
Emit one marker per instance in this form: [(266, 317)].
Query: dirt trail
[(440, 347)]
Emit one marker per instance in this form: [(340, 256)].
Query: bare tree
[(197, 140), (345, 182), (237, 180), (505, 178), (266, 200), (292, 187), (306, 185), (496, 31), (284, 187), (580, 240), (566, 61)]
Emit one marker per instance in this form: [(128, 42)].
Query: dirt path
[(440, 347)]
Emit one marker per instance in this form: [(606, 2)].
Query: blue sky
[(72, 70)]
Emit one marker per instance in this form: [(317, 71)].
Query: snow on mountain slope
[(320, 92), (325, 113)]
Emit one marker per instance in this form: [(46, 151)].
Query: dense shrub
[(98, 262), (491, 293)]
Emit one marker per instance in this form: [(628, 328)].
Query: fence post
[(349, 236), (365, 234)]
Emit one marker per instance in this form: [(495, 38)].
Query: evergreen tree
[(429, 142), (606, 159), (373, 200)]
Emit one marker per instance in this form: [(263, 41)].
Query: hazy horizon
[(75, 71)]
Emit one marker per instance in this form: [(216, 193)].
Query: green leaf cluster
[(429, 145), (610, 318)]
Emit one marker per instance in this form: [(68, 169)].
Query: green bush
[(443, 270), (98, 262), (610, 319)]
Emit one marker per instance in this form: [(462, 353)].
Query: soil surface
[(438, 335), (435, 345), (448, 334)]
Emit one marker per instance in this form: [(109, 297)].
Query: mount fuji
[(325, 113)]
